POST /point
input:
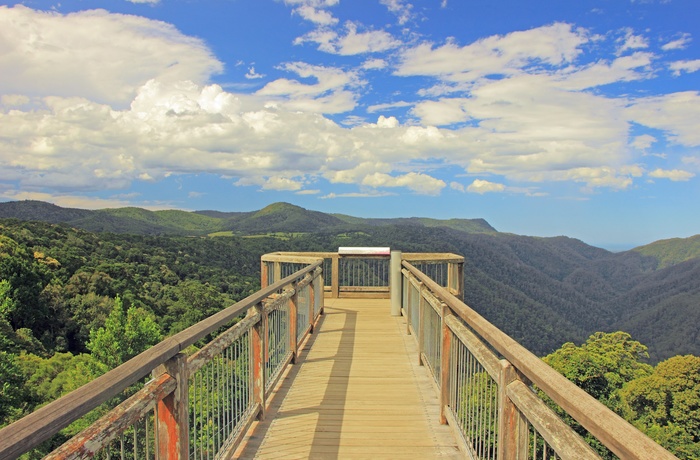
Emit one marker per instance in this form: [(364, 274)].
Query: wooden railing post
[(455, 277), (312, 303), (277, 267), (322, 291), (409, 302), (460, 281), (171, 413), (421, 323), (395, 282), (512, 426), (259, 347), (445, 363), (335, 276), (293, 322), (264, 274)]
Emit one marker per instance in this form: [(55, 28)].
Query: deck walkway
[(356, 392)]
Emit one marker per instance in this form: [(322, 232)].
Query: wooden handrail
[(613, 431), (40, 425)]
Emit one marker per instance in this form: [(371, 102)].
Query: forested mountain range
[(277, 217), (542, 291)]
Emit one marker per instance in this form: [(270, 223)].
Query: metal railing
[(365, 275), (487, 385), (197, 406)]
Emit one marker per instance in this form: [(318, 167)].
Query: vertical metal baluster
[(210, 405), (465, 393), (193, 407), (470, 408), (230, 392), (475, 401), (462, 407), (147, 447), (220, 404), (534, 443), (494, 412), (479, 406)]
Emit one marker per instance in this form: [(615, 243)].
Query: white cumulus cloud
[(483, 186), (675, 175), (94, 54)]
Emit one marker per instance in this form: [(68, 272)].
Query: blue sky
[(543, 117)]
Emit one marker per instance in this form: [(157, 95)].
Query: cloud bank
[(96, 101)]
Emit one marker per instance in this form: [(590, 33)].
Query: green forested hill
[(464, 225), (672, 251), (542, 291), (275, 218)]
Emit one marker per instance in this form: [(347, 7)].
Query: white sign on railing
[(350, 251)]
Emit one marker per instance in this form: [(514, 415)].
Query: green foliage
[(12, 390), (7, 303), (23, 282), (603, 364), (192, 301), (672, 251), (51, 378), (126, 333), (666, 405), (663, 402)]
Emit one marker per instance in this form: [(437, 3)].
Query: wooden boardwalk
[(356, 392)]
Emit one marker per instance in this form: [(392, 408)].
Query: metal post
[(395, 283)]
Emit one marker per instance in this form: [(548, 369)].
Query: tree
[(7, 303), (192, 301), (124, 335), (11, 389), (602, 365), (666, 405)]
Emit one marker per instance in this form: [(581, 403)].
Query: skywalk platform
[(357, 391)]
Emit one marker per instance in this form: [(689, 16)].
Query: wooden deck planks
[(356, 392)]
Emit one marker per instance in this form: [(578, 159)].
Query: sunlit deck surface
[(356, 391)]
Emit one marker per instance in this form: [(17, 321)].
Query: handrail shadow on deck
[(341, 366)]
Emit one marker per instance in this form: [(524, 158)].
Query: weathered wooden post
[(512, 426), (259, 347), (335, 276), (395, 282), (409, 302), (455, 277), (277, 267), (445, 363), (312, 300), (264, 274), (293, 322), (172, 421), (421, 322), (321, 290)]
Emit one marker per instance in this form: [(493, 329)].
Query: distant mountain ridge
[(672, 251), (277, 217)]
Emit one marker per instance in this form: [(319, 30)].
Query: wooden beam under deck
[(356, 392)]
